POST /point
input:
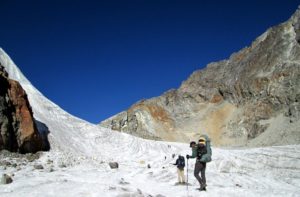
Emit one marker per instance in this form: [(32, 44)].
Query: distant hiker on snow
[(180, 163), (202, 153)]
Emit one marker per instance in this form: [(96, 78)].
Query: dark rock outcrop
[(18, 131), (252, 96)]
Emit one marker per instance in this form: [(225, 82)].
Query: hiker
[(180, 163), (202, 153)]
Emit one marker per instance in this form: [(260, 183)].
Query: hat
[(202, 140), (191, 143)]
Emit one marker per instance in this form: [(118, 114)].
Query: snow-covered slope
[(86, 149), (67, 133)]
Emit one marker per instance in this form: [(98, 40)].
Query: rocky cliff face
[(18, 131), (251, 98)]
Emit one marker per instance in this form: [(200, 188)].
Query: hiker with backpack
[(202, 153), (180, 163)]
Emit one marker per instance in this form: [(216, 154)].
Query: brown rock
[(18, 131), (216, 99), (29, 139)]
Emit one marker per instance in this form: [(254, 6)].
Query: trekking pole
[(187, 174)]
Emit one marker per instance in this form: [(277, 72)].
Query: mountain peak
[(295, 20), (296, 16), (10, 67)]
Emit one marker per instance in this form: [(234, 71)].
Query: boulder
[(113, 165), (62, 165), (38, 166), (32, 157), (6, 179)]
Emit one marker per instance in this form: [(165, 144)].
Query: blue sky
[(97, 58)]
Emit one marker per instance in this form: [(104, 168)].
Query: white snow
[(86, 150)]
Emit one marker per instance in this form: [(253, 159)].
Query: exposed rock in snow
[(38, 167), (18, 131), (6, 179), (113, 165)]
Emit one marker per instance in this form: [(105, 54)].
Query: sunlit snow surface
[(86, 149)]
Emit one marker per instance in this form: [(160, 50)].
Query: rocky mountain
[(251, 98), (18, 130)]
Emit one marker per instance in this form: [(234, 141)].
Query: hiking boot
[(203, 187)]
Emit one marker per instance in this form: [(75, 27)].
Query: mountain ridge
[(237, 101)]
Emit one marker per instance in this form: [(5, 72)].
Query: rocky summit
[(18, 130), (252, 98)]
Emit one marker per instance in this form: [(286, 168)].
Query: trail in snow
[(86, 149)]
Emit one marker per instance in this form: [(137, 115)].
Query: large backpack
[(181, 162), (206, 157)]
